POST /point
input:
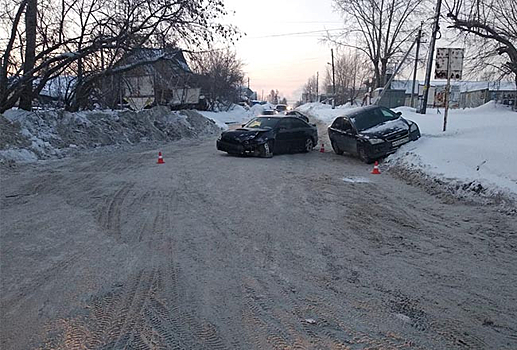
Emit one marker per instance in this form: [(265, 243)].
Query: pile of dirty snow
[(29, 136)]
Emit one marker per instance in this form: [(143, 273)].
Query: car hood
[(386, 129), (243, 133)]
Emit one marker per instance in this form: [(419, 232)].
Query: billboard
[(449, 58)]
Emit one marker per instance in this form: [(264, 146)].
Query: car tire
[(361, 152), (309, 145), (336, 148), (266, 150)]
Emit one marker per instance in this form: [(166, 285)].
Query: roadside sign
[(449, 59), (449, 65)]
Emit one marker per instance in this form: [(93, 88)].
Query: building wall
[(471, 99)]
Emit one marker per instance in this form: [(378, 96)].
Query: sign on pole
[(449, 65), (449, 57)]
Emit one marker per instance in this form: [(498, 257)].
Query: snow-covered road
[(209, 251)]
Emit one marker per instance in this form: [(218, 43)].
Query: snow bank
[(324, 112), (478, 152), (235, 115), (476, 157), (28, 136)]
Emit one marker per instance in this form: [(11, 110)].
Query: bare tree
[(273, 97), (30, 51), (86, 38), (311, 89), (222, 75), (351, 71), (491, 26), (382, 28)]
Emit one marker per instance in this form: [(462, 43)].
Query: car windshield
[(369, 119), (262, 123)]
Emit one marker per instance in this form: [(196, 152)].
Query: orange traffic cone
[(322, 149), (376, 168), (160, 158)]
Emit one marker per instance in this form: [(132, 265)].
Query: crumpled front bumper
[(237, 148)]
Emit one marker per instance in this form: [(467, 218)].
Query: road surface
[(209, 251)]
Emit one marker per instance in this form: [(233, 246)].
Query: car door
[(349, 140), (284, 135), (336, 133), (301, 132)]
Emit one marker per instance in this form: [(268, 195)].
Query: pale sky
[(274, 60)]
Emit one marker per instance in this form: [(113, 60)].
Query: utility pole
[(248, 82), (447, 89), (418, 40), (429, 67), (333, 80), (317, 83)]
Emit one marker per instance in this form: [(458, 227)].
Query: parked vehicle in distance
[(371, 132), (269, 112), (281, 108), (298, 115), (268, 135)]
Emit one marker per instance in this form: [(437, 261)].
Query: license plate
[(400, 142)]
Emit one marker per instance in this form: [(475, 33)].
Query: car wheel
[(336, 148), (363, 155), (266, 150), (309, 145)]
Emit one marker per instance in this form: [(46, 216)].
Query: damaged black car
[(371, 132), (265, 136)]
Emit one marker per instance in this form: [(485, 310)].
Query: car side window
[(346, 125), (298, 123), (338, 124), (285, 124)]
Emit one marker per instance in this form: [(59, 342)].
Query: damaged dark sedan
[(371, 132), (265, 136)]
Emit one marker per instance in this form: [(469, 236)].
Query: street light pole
[(333, 80), (317, 83), (418, 40), (427, 83)]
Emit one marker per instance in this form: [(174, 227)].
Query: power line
[(298, 33)]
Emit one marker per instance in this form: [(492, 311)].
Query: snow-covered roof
[(464, 85), (173, 55)]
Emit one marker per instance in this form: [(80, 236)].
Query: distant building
[(165, 80), (464, 94)]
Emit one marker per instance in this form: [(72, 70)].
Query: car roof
[(355, 111)]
